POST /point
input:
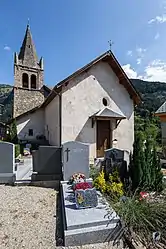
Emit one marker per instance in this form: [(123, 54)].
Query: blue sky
[(70, 33)]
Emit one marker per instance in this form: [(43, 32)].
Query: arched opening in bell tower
[(25, 80)]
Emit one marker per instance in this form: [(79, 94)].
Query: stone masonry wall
[(25, 100), (18, 72)]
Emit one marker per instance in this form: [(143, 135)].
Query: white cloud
[(141, 50), (157, 36), (158, 19), (140, 53), (139, 60), (129, 53), (131, 73), (7, 48), (154, 71)]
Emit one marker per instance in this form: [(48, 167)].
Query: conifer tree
[(156, 173), (148, 163), (138, 162), (13, 132)]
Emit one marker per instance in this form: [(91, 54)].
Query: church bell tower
[(28, 77)]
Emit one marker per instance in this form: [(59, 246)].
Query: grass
[(142, 218)]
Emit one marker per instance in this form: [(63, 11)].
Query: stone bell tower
[(28, 77)]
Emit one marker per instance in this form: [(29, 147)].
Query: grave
[(116, 158), (7, 163), (95, 222), (47, 163), (75, 158)]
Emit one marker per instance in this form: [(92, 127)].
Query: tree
[(148, 165), (138, 161), (13, 132), (156, 173)]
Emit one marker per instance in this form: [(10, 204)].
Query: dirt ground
[(30, 218)]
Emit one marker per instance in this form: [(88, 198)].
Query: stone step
[(91, 235)]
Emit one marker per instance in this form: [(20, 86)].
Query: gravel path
[(27, 219)]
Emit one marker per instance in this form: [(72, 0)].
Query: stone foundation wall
[(25, 100)]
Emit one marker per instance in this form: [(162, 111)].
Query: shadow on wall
[(27, 131), (87, 133)]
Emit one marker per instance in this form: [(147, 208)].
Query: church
[(94, 105)]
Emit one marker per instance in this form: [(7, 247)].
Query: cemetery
[(97, 202)]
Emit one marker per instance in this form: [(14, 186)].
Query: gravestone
[(75, 157), (7, 162), (116, 158), (47, 163)]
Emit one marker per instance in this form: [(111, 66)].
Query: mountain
[(4, 91), (153, 95), (6, 99)]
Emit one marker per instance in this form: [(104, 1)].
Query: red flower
[(143, 195), (82, 185)]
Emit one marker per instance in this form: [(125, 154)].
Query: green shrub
[(17, 150), (145, 169), (113, 187), (13, 132), (94, 172), (142, 218)]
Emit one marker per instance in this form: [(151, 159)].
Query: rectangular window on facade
[(30, 132)]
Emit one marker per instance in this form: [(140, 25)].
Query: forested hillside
[(153, 95), (6, 100)]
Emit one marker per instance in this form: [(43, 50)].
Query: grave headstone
[(75, 157), (7, 162), (116, 158), (47, 164)]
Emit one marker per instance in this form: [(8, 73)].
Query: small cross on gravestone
[(67, 154)]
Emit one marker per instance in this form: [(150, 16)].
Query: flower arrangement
[(82, 185), (77, 177)]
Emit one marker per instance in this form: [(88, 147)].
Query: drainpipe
[(60, 117)]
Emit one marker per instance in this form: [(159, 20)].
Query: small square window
[(30, 132)]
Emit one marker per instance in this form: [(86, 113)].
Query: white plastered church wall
[(82, 97), (34, 121), (52, 124)]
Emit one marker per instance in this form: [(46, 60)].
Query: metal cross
[(110, 43), (67, 155), (28, 22)]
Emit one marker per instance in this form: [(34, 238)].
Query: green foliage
[(100, 182), (138, 161), (153, 95), (156, 172), (17, 150), (94, 172), (113, 187), (13, 132), (145, 169), (142, 218)]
